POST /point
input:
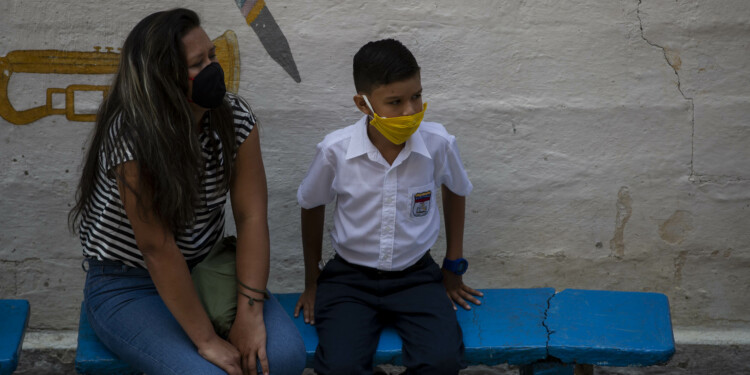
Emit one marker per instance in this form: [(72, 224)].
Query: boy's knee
[(343, 361), (343, 366), (437, 359)]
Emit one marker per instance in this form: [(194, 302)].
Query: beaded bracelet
[(251, 300)]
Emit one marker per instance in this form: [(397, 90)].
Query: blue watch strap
[(458, 266)]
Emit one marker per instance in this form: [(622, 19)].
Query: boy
[(383, 173)]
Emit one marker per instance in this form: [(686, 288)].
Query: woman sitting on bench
[(168, 145)]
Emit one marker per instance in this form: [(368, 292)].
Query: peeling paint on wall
[(624, 210), (673, 58), (674, 229)]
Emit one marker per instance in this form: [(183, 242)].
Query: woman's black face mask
[(208, 86)]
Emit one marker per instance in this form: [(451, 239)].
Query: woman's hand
[(248, 334), (167, 267), (306, 303), (249, 196), (459, 292), (222, 354)]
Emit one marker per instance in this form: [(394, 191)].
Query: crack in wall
[(720, 179), (544, 324), (675, 65)]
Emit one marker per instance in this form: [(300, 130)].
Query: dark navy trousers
[(353, 303)]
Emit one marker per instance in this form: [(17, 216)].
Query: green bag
[(215, 279)]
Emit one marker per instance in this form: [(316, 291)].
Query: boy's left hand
[(459, 292)]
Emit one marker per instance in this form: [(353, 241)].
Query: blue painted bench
[(14, 319), (605, 328), (92, 357), (537, 329)]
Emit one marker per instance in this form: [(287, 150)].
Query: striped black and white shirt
[(105, 231)]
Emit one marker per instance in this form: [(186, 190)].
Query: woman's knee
[(284, 344), (288, 360)]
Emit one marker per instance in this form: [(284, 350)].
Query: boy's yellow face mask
[(396, 129)]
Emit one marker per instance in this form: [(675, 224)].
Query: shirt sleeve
[(119, 148), (244, 121), (453, 175), (317, 186)]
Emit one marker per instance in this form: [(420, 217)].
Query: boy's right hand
[(306, 302)]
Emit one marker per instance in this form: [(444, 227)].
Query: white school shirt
[(386, 216)]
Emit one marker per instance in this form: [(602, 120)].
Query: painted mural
[(260, 19), (91, 62), (53, 61), (105, 61)]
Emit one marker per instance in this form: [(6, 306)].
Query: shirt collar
[(416, 143), (360, 144)]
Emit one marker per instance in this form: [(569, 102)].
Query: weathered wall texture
[(606, 140)]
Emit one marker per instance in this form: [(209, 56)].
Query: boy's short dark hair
[(382, 62)]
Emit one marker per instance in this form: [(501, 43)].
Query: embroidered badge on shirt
[(421, 205)]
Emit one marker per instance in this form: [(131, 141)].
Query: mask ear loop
[(369, 106)]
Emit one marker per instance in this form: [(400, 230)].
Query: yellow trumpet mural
[(96, 62)]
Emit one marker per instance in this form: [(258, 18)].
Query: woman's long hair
[(147, 106)]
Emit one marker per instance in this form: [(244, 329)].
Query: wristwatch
[(458, 266)]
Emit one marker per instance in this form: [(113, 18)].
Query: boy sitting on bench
[(383, 172)]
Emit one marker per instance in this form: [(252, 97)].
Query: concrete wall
[(606, 140)]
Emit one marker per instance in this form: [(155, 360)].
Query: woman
[(168, 145)]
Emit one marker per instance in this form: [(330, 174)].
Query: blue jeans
[(130, 318)]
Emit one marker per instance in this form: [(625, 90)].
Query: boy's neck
[(388, 149)]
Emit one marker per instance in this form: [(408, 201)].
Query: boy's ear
[(359, 101)]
